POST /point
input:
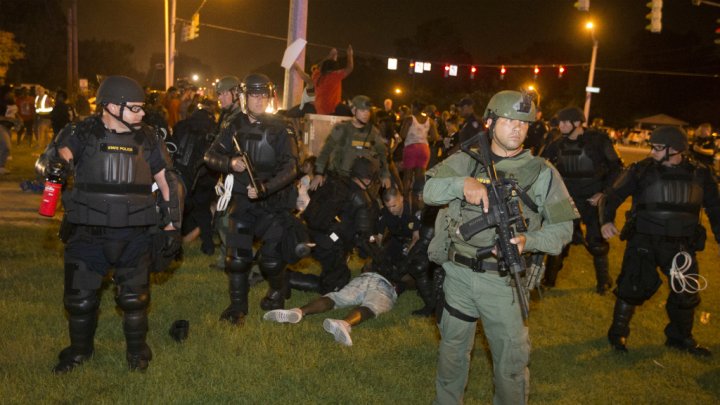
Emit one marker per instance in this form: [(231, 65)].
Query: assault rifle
[(504, 214), (259, 187)]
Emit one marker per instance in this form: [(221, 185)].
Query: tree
[(10, 51), (41, 26)]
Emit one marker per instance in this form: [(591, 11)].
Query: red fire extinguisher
[(53, 189)]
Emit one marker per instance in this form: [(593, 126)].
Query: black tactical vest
[(580, 166), (113, 181), (254, 139), (670, 200)]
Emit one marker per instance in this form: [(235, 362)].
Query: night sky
[(490, 28)]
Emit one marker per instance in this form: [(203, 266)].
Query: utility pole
[(72, 50), (170, 42), (297, 28)]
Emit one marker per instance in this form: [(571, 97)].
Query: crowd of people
[(400, 188)]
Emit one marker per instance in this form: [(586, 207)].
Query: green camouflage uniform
[(489, 296)]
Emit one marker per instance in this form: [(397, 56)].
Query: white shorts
[(369, 290)]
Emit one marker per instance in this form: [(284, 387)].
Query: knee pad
[(239, 238), (598, 248), (85, 302), (129, 300), (238, 264), (271, 266)]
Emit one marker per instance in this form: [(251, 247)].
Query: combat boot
[(427, 294), (278, 292), (135, 327), (620, 328), (238, 287), (82, 334), (604, 282), (679, 331)]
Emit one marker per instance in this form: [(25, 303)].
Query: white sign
[(419, 67), (292, 52), (392, 64), (592, 89), (453, 70), (426, 66)]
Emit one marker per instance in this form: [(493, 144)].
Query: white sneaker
[(340, 329), (284, 315)]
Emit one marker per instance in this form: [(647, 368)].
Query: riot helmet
[(364, 168), (673, 137), (571, 114), (258, 83), (119, 90), (510, 104)]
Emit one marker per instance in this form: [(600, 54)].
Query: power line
[(478, 65)]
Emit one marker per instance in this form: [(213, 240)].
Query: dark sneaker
[(689, 345), (234, 316), (69, 360), (139, 361)]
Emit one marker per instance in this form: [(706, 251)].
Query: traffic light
[(411, 67), (536, 71), (473, 70), (582, 5), (502, 72), (655, 16), (190, 32), (717, 31), (447, 71), (561, 71)]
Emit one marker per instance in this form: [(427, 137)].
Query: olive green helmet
[(361, 102), (511, 104), (227, 83)]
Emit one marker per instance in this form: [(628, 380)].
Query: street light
[(590, 26)]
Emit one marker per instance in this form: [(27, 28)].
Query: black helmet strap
[(129, 126)]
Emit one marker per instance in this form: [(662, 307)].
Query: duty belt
[(477, 265)]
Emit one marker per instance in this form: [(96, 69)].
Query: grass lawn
[(392, 360)]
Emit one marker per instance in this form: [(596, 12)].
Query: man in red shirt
[(328, 81)]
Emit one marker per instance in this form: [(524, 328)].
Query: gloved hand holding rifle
[(241, 163), (504, 214)]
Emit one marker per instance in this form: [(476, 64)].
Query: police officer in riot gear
[(110, 213), (663, 228), (588, 163), (337, 224), (258, 149)]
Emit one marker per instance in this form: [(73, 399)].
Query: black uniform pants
[(639, 279)]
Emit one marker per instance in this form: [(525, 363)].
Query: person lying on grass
[(372, 294)]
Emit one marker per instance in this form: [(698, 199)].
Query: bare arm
[(304, 76), (350, 62)]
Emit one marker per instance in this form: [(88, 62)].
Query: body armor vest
[(574, 161), (359, 143), (254, 139), (113, 181), (669, 201)]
